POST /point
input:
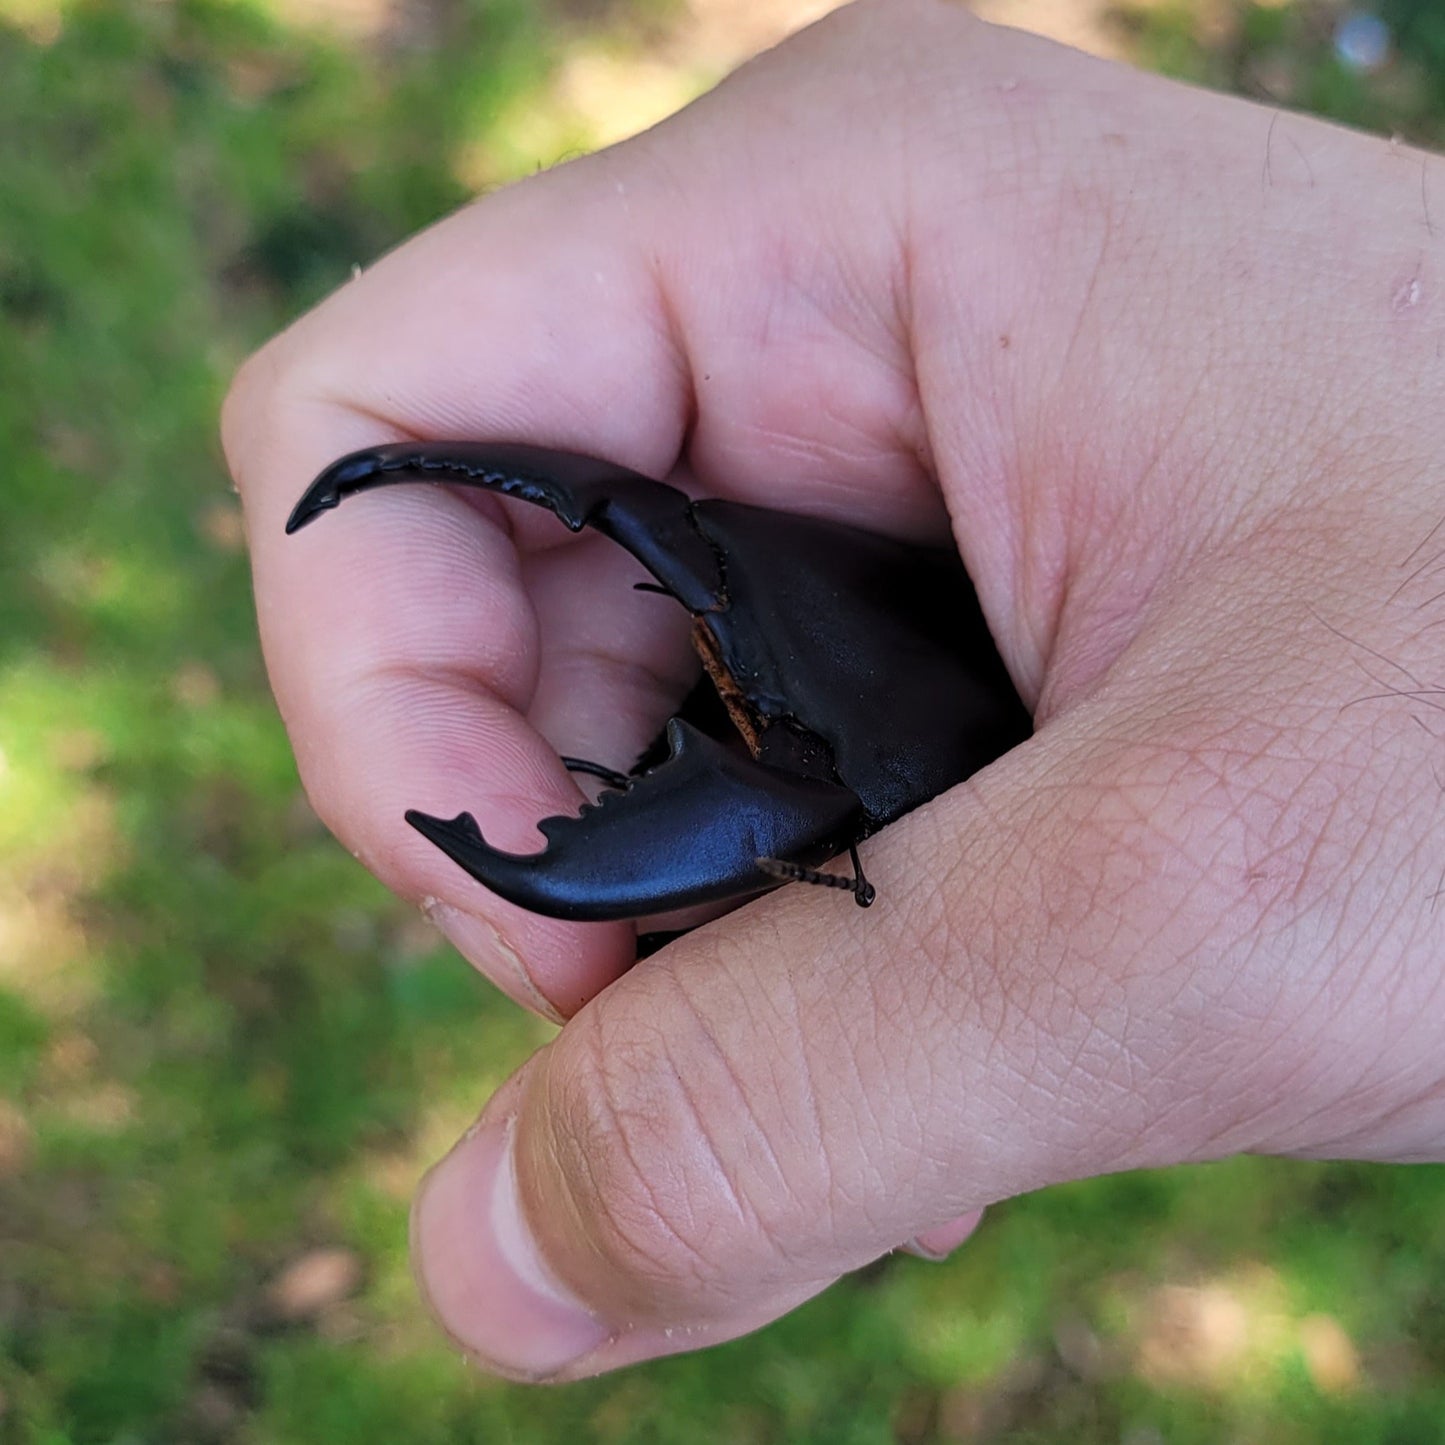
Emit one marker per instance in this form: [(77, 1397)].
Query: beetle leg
[(601, 771), (864, 893), (691, 831)]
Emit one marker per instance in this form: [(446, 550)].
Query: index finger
[(400, 641)]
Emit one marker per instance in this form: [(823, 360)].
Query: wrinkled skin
[(1167, 365)]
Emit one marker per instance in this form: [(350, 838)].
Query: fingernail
[(476, 940), (940, 1241), (480, 1271)]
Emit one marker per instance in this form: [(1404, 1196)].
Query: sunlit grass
[(40, 20)]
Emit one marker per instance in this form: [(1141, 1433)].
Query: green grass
[(1284, 54), (222, 1045)]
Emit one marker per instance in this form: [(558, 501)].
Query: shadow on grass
[(223, 1048)]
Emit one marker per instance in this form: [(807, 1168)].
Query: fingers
[(615, 661), (804, 1086), (433, 653), (408, 634)]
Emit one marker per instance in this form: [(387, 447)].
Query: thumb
[(803, 1086)]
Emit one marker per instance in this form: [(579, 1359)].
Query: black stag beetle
[(856, 675)]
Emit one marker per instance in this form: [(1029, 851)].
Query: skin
[(1167, 367)]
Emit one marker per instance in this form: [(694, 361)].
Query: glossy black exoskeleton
[(857, 672)]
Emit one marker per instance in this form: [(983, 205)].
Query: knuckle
[(282, 389), (660, 1141), (247, 404)]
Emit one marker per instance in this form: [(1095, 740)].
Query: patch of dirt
[(313, 1284)]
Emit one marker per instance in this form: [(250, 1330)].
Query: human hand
[(1167, 366)]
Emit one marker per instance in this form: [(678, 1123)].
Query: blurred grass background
[(226, 1056)]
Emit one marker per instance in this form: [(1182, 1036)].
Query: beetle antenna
[(862, 890), (653, 587), (610, 776)]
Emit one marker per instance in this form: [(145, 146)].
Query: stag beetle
[(856, 675)]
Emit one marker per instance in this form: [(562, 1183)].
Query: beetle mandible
[(857, 674)]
